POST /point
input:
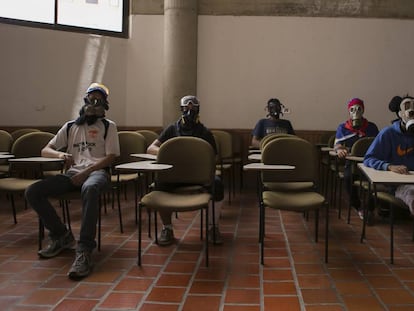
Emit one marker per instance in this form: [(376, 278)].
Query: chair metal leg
[(99, 224), (121, 227), (392, 233), (13, 208), (326, 231), (316, 225), (139, 233), (206, 242), (261, 232)]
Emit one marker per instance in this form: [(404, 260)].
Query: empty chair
[(129, 142), (17, 133), (22, 175), (294, 151), (270, 137), (224, 145), (149, 135), (6, 141)]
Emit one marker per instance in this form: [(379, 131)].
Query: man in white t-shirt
[(91, 145)]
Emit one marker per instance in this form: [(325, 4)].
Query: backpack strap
[(106, 124), (68, 128)]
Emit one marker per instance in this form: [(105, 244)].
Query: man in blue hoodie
[(393, 148)]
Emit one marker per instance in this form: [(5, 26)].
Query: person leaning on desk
[(393, 148), (92, 144), (346, 135)]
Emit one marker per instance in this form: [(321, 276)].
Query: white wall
[(313, 65), (45, 73)]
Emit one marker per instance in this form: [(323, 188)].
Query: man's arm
[(378, 154), (255, 142), (154, 147), (49, 151)]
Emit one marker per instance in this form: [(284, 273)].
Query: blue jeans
[(38, 193)]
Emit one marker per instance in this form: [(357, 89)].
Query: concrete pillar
[(180, 55)]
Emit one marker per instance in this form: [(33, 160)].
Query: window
[(106, 17)]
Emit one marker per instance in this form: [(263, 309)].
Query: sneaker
[(214, 236), (56, 246), (82, 266), (166, 237)]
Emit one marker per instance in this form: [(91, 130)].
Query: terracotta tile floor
[(294, 277)]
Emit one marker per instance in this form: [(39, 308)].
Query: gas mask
[(355, 114), (92, 110), (406, 114), (274, 109), (190, 108), (189, 117)]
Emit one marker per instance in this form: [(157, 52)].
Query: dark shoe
[(82, 266), (56, 246), (214, 236), (166, 237)]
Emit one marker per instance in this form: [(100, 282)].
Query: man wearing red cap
[(347, 134)]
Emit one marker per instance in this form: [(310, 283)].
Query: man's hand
[(341, 152), (68, 160), (400, 169), (79, 178)]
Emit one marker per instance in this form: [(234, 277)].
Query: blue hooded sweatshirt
[(391, 147)]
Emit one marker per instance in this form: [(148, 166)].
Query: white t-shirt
[(87, 143)]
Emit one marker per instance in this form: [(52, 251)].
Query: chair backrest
[(291, 151), (20, 132), (130, 142), (31, 144), (149, 135), (224, 143), (331, 141), (193, 160), (270, 137), (6, 141), (360, 147)]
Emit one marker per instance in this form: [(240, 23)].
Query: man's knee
[(32, 191)]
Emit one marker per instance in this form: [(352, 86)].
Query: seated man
[(188, 125), (91, 144), (347, 134), (393, 148), (272, 124)]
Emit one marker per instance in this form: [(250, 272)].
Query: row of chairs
[(133, 142)]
